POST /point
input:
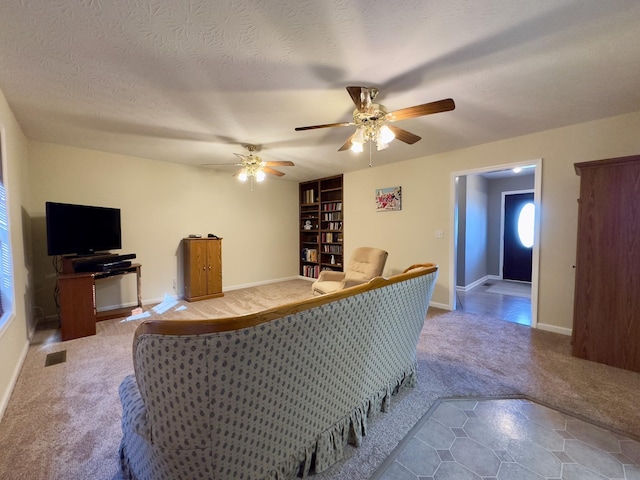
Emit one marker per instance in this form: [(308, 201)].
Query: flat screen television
[(82, 229)]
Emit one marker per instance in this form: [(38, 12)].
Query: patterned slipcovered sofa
[(271, 395)]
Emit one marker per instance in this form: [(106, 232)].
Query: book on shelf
[(332, 216), (309, 196), (336, 249), (332, 206), (331, 237), (311, 271), (309, 255)]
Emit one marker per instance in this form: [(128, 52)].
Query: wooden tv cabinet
[(77, 296)]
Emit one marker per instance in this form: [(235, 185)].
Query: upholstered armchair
[(365, 263)]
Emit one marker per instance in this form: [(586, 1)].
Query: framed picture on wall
[(388, 199)]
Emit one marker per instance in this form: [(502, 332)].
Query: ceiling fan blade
[(272, 171), (420, 110), (238, 172), (327, 125), (279, 163), (362, 97), (403, 135), (356, 94), (347, 144)]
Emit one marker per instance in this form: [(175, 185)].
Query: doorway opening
[(495, 241)]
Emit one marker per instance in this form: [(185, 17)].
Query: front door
[(518, 236)]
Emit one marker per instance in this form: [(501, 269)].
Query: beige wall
[(14, 334), (427, 185), (161, 203)]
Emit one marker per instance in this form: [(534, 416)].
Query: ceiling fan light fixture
[(356, 147), (359, 136), (385, 134), (380, 145), (358, 139), (253, 167)]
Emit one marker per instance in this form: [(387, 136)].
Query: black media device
[(82, 229), (106, 267), (103, 262)]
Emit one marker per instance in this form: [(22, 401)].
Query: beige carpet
[(235, 302), (63, 421)]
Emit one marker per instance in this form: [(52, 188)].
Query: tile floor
[(506, 307), (509, 439)]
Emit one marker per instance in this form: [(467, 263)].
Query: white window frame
[(6, 261)]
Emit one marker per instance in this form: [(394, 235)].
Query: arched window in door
[(526, 221)]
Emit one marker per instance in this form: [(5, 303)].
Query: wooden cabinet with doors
[(606, 319), (321, 217), (202, 268)]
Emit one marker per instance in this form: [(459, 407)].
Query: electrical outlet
[(439, 234), (174, 284)]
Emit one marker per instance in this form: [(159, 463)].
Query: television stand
[(78, 312)]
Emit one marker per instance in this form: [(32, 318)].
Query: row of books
[(329, 207), (332, 249), (333, 226), (309, 254), (330, 237), (309, 196), (332, 216), (311, 271)]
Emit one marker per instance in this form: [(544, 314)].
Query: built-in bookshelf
[(321, 229)]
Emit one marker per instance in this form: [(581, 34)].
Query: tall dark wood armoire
[(606, 321)]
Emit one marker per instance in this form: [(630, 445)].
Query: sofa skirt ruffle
[(330, 444)]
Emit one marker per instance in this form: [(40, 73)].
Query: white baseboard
[(131, 305), (480, 281), (14, 378), (441, 306), (156, 301), (552, 328), (265, 282)]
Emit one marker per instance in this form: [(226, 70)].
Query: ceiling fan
[(253, 166), (373, 121)]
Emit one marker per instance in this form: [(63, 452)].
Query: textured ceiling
[(191, 81)]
